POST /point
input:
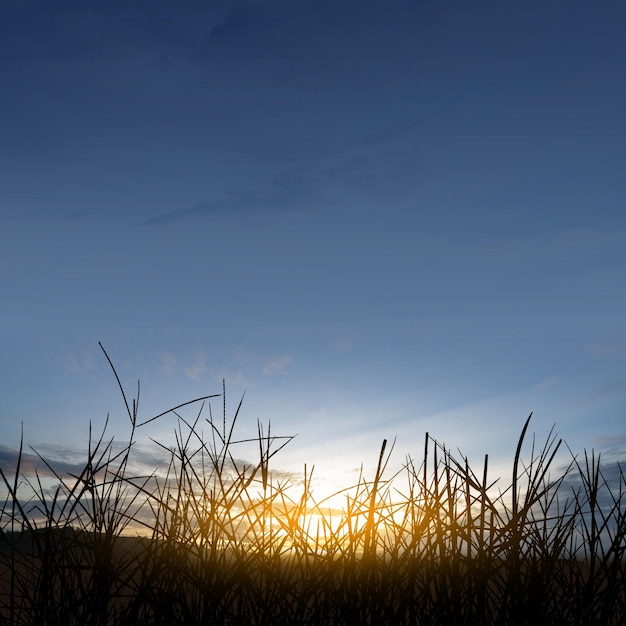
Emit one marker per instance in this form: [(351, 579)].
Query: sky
[(376, 219)]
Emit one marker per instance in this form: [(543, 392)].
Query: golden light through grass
[(221, 540)]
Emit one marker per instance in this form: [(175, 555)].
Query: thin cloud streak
[(278, 365), (383, 166)]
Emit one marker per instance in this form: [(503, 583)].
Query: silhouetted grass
[(225, 542)]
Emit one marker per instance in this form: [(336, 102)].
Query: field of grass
[(213, 540)]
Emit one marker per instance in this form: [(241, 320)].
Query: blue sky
[(377, 218)]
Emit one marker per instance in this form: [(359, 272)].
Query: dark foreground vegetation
[(225, 542)]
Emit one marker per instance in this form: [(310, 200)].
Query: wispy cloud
[(194, 367), (269, 365), (276, 197), (612, 447), (169, 364), (198, 367), (30, 462), (549, 382), (82, 362), (609, 485), (611, 440), (277, 364), (66, 461), (146, 461), (381, 166)]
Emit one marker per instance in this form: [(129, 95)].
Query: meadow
[(211, 539)]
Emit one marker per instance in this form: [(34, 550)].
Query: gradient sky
[(377, 218)]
